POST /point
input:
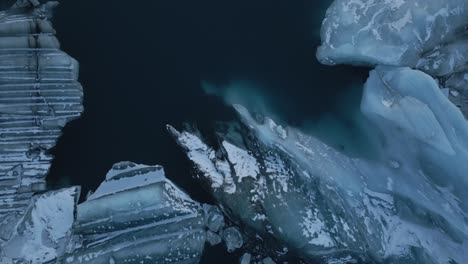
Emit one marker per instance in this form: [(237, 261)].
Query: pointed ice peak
[(128, 175), (128, 168)]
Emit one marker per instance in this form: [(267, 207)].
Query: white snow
[(47, 227), (112, 185), (201, 155), (245, 165), (315, 230)]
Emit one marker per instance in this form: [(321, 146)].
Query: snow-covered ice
[(408, 203)]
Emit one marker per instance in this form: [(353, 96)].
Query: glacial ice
[(407, 204), (39, 94)]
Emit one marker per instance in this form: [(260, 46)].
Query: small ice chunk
[(213, 238), (268, 261), (454, 93), (213, 217), (245, 259), (233, 238)]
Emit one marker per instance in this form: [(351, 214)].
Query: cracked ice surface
[(408, 204)]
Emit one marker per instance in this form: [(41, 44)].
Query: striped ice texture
[(39, 94), (138, 216)]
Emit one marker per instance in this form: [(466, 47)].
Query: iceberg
[(407, 204), (138, 216), (39, 94)]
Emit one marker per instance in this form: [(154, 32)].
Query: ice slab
[(138, 216)]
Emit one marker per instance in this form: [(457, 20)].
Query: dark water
[(5, 4), (142, 63)]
